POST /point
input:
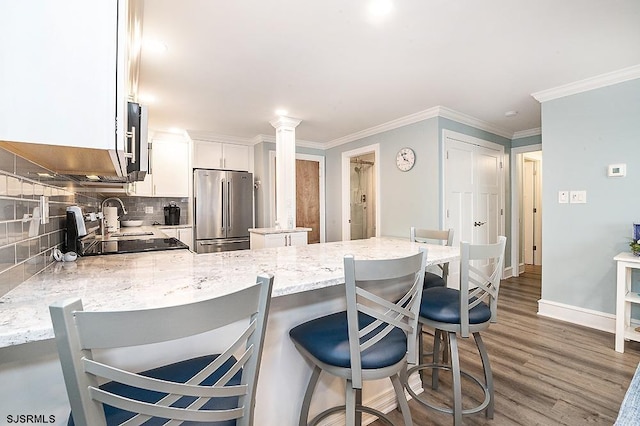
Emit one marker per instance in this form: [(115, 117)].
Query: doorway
[(473, 191), (531, 247), (363, 195), (310, 194), (520, 236), (360, 200)]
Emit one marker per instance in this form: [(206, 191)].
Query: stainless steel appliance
[(223, 210)]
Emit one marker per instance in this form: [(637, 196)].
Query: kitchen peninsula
[(307, 285)]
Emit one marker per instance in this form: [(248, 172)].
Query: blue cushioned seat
[(327, 339), (178, 372), (372, 340), (433, 280), (443, 304)]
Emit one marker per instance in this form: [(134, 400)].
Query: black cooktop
[(133, 246)]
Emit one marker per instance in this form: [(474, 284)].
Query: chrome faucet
[(124, 211)]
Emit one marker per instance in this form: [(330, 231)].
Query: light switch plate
[(563, 197), (577, 197), (148, 209)]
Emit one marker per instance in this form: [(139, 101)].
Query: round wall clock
[(405, 159)]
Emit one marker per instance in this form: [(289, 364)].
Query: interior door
[(308, 197), (473, 178)]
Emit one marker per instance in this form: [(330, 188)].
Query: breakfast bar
[(307, 284)]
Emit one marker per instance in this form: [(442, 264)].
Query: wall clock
[(405, 159)]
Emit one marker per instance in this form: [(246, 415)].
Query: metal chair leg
[(402, 400), (436, 359), (457, 385), (488, 375), (351, 403), (306, 402)]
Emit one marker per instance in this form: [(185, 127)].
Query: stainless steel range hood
[(72, 161), (90, 165)]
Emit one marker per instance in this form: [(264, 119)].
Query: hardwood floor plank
[(546, 372)]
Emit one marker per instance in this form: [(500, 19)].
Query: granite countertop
[(266, 231), (163, 278)]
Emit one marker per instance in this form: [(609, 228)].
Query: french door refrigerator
[(223, 210)]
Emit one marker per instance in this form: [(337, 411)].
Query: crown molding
[(474, 122), (384, 127), (603, 80), (299, 142), (526, 133), (215, 137)]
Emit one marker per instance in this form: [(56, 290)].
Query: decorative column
[(285, 171)]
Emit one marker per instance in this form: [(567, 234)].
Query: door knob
[(478, 223)]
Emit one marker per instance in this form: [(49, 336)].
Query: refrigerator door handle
[(229, 204), (224, 220)]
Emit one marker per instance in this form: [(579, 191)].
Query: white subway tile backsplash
[(21, 255)]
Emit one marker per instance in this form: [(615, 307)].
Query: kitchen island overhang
[(307, 284)]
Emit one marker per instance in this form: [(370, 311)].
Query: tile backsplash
[(25, 244), (151, 209)]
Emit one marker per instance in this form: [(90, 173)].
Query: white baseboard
[(576, 315), (385, 402), (507, 273)]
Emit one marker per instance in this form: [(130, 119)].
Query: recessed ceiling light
[(93, 177), (45, 175), (281, 112), (378, 8), (511, 113), (155, 46)]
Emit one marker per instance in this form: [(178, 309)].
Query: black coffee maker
[(172, 214)]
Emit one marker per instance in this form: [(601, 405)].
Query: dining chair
[(466, 311), (432, 279), (439, 237), (209, 388), (373, 339)]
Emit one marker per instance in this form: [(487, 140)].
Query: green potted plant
[(635, 247)]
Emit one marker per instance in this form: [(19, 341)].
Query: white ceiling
[(231, 64)]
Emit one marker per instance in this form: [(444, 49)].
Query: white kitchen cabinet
[(184, 234), (59, 83), (169, 170), (216, 155), (278, 239)]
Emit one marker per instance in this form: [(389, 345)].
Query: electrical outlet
[(563, 197), (148, 209)]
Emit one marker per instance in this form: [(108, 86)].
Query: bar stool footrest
[(422, 400), (360, 408)]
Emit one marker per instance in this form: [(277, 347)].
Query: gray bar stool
[(466, 311), (373, 339), (207, 388)]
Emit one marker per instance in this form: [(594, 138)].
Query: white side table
[(626, 262)]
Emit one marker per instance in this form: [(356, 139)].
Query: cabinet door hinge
[(534, 247), (535, 210), (501, 212)]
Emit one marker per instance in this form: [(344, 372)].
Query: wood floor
[(546, 372)]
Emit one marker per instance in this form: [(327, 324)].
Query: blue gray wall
[(406, 198), (581, 135)]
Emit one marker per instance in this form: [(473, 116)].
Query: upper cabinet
[(65, 75), (216, 155), (168, 169)]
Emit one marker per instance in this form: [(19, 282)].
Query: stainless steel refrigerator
[(223, 210)]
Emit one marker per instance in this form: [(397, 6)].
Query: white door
[(473, 177)]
